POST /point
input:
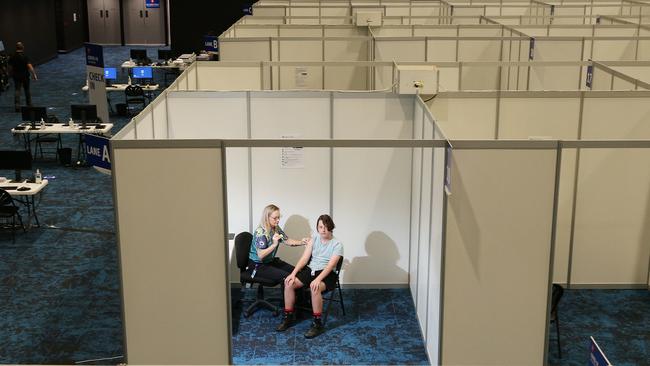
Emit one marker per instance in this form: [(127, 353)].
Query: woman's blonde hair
[(266, 213)]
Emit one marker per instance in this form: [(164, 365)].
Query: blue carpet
[(59, 284), (379, 327)]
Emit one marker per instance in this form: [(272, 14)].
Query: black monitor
[(34, 114), (165, 55), (16, 160), (83, 113), (138, 54)]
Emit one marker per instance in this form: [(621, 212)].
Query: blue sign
[(448, 170), (94, 55), (531, 51), (247, 9), (590, 76), (97, 151), (152, 3), (211, 43), (596, 355)]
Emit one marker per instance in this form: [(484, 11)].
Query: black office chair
[(9, 211), (306, 294), (556, 295), (134, 94), (243, 242)]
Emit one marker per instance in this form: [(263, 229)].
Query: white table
[(170, 65), (122, 87), (25, 197), (31, 134)]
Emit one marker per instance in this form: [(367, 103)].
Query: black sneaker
[(316, 329), (287, 322)]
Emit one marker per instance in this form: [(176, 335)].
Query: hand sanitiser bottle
[(38, 178)]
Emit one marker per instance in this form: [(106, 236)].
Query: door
[(155, 24), (112, 33), (143, 25), (104, 22), (96, 21)]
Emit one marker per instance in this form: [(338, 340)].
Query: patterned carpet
[(59, 284)]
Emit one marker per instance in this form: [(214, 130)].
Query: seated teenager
[(266, 240), (324, 250)]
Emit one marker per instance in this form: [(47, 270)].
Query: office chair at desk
[(9, 212), (134, 95), (243, 242)]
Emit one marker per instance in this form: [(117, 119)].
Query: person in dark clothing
[(20, 70)]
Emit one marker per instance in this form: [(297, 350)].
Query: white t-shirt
[(322, 252)]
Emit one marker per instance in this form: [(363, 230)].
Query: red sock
[(288, 311), (317, 315)]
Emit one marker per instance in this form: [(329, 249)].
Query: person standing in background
[(20, 70)]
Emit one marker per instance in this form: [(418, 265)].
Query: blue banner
[(596, 355), (97, 151), (247, 9), (152, 3), (94, 55), (211, 43)]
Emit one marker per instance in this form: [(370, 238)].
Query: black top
[(18, 62)]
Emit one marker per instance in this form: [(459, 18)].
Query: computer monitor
[(34, 114), (138, 54), (83, 113), (144, 72), (165, 55), (110, 74), (16, 160)]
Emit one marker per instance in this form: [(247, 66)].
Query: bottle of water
[(38, 178)]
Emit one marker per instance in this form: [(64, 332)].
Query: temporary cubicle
[(376, 161)]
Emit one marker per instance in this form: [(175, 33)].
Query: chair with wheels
[(243, 243), (134, 94), (9, 212), (556, 295)]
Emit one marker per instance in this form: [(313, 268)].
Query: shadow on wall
[(296, 227), (381, 262)]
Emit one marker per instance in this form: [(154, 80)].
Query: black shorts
[(305, 277)]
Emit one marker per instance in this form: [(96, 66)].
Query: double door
[(143, 25), (104, 21)]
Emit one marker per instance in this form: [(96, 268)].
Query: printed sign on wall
[(211, 43), (152, 3)]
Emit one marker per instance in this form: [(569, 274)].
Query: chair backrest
[(134, 91), (556, 295), (339, 264), (5, 198), (243, 242)]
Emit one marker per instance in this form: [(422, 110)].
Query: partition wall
[(520, 171)]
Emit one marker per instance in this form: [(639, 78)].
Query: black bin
[(65, 156), (121, 109)]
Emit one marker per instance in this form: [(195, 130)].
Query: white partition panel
[(144, 127), (173, 265), (191, 78), (557, 49), (377, 206), (159, 107), (395, 50), (498, 240), (245, 50), (611, 231), (302, 193), (211, 113), (213, 76), (466, 116), (614, 50), (548, 118), (303, 77), (441, 50)]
